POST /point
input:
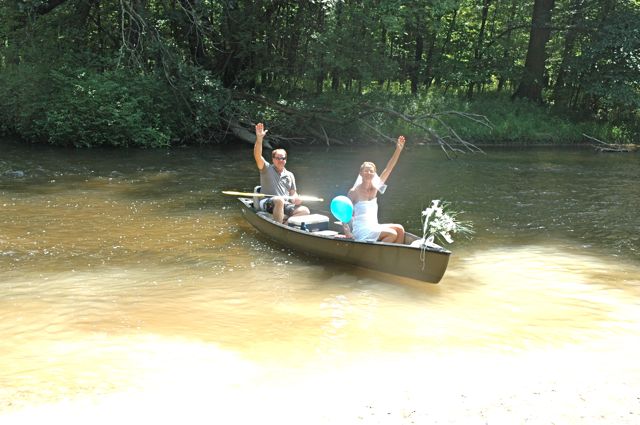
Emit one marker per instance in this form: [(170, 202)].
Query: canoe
[(426, 264)]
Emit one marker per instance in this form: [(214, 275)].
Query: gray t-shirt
[(276, 184)]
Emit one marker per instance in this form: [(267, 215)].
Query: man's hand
[(257, 147), (260, 131), (295, 199), (400, 143)]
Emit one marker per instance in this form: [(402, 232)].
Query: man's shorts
[(267, 205)]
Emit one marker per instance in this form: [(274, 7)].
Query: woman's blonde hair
[(368, 164)]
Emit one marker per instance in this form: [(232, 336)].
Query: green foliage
[(104, 108), (157, 73), (515, 121), (613, 60), (85, 107), (24, 95), (512, 121), (88, 108)]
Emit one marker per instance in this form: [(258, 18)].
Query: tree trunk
[(192, 30), (509, 41), (134, 22), (560, 94), (477, 52), (417, 59), (230, 61), (47, 6), (532, 80), (335, 80), (592, 101), (433, 37), (446, 42)]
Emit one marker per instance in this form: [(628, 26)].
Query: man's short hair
[(276, 151)]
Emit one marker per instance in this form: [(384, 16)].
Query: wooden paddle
[(263, 195)]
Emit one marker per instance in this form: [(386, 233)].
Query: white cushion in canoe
[(328, 233), (308, 219)]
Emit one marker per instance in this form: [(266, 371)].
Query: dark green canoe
[(426, 264)]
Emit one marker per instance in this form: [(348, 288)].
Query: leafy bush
[(109, 108), (84, 107)]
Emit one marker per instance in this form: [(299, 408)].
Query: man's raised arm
[(257, 147)]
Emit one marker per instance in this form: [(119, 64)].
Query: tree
[(478, 46), (574, 24), (199, 67), (533, 78)]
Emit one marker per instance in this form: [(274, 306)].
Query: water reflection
[(134, 279)]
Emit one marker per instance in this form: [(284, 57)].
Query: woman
[(365, 203)]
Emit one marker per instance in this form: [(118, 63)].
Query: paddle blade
[(250, 194), (310, 198)]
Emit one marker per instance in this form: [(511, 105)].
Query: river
[(132, 290)]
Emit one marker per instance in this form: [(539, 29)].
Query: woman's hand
[(400, 143), (347, 231)]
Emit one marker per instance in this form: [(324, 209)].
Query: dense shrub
[(86, 107)]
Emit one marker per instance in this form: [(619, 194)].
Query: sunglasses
[(280, 158)]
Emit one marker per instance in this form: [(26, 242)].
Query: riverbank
[(569, 384), (489, 119)]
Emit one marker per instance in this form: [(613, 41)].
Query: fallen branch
[(612, 147), (417, 121), (315, 121)]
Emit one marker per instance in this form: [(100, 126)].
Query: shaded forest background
[(166, 72)]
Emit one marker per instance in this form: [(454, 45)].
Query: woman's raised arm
[(393, 161)]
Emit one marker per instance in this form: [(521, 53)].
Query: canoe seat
[(256, 199), (328, 233), (312, 222)]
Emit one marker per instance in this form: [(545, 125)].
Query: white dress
[(365, 221)]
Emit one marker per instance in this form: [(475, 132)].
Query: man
[(276, 180)]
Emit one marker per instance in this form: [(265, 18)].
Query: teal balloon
[(342, 208)]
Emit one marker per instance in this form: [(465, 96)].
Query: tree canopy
[(161, 72)]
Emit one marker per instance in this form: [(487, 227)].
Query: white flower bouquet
[(440, 223)]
